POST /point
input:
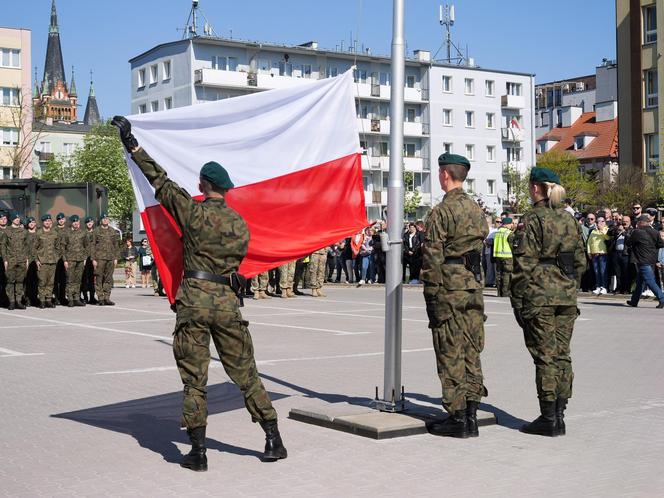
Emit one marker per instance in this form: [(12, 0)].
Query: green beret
[(60, 216), (216, 174), (539, 175), (103, 215), (46, 217), (29, 219), (448, 158), (3, 214), (89, 218), (13, 215), (73, 218), (506, 221)]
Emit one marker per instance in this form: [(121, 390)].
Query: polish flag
[(292, 153)]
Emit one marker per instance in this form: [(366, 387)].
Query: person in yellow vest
[(502, 255)]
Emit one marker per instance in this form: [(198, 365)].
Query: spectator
[(412, 254), (636, 212), (356, 244), (619, 255), (378, 254), (652, 213), (596, 248), (568, 206), (660, 258), (644, 243), (587, 221), (145, 263), (487, 260), (366, 250), (341, 264), (333, 256), (348, 257), (130, 254)]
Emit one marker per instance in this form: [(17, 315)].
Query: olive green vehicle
[(35, 198)]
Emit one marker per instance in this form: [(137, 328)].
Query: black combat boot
[(471, 418), (11, 305), (455, 425), (561, 404), (545, 424), (196, 460), (274, 446), (108, 302), (41, 304), (70, 304), (78, 302), (19, 305)]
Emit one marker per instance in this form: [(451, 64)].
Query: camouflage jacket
[(453, 228), (543, 233), (215, 238), (105, 244), (14, 245), (77, 247), (47, 246)]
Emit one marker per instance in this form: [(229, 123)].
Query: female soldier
[(549, 259)]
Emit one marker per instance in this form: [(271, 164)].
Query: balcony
[(512, 134), (512, 102), (509, 166)]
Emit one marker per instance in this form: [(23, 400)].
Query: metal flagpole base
[(395, 405)]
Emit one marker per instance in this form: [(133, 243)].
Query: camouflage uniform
[(88, 283), (47, 254), (317, 267), (215, 240), (31, 277), (104, 250), (14, 253), (544, 298), (286, 278), (454, 301), (259, 285), (4, 300), (76, 251), (60, 279)]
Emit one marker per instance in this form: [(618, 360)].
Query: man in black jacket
[(644, 244)]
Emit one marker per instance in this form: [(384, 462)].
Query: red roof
[(604, 145)]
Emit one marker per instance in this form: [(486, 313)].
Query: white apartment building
[(203, 69)]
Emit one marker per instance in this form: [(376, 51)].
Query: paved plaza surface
[(91, 401)]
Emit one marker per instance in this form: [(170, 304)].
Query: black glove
[(123, 124)]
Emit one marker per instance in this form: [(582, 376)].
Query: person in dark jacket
[(644, 244), (619, 254)]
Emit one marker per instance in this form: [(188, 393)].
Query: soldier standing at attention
[(316, 272), (60, 281), (260, 285), (286, 278), (502, 255), (452, 276), (88, 284), (15, 261), (76, 251), (31, 279), (4, 301), (47, 254), (104, 253), (207, 302), (549, 259)]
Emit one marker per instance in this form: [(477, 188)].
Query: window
[(142, 109), (579, 143), (447, 84), (232, 64), (410, 115), (168, 103), (470, 152), (10, 96), (154, 106), (409, 150), (490, 120), (264, 66), (166, 70), (489, 86), (45, 147), (470, 119), (306, 70), (68, 149), (410, 81), (513, 88), (384, 79), (469, 86), (10, 136), (649, 24), (384, 149), (650, 80), (332, 71), (141, 78), (470, 185), (652, 151), (10, 57), (218, 62), (513, 154), (491, 153), (491, 187), (285, 69), (360, 75), (447, 148), (153, 74), (6, 173), (447, 117)]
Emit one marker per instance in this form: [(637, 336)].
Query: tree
[(412, 197), (59, 171), (518, 196), (582, 188), (20, 114)]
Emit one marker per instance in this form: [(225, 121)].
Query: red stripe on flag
[(288, 217)]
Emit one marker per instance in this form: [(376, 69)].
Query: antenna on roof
[(191, 28), (446, 17)]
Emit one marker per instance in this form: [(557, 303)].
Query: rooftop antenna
[(191, 28), (446, 17)]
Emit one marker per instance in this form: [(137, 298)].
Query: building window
[(10, 136), (447, 117), (447, 147), (410, 115), (168, 103), (652, 151), (490, 120), (153, 74), (649, 24), (154, 106), (470, 185), (470, 152), (513, 154), (514, 88), (489, 86), (10, 96), (491, 187), (470, 119), (469, 86), (166, 70), (410, 81), (68, 149), (579, 143), (141, 78), (6, 173), (360, 75), (10, 57), (384, 79), (306, 70), (142, 109), (409, 149), (650, 80), (285, 69), (384, 149), (491, 153), (447, 84), (332, 71), (232, 64)]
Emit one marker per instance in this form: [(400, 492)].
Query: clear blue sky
[(554, 40)]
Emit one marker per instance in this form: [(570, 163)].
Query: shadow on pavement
[(328, 397), (620, 304), (155, 421)]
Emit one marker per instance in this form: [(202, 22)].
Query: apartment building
[(441, 111), (15, 108)]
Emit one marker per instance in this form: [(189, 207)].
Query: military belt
[(454, 261), (203, 275)]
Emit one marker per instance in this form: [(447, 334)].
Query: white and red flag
[(293, 155)]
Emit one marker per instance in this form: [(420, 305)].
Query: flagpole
[(392, 398)]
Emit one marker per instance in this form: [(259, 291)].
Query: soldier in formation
[(47, 254), (316, 272), (15, 259), (75, 253), (60, 279), (104, 253)]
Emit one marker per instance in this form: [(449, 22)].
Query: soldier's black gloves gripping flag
[(123, 124)]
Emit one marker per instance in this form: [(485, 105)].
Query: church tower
[(92, 116)]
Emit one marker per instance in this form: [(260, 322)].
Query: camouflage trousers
[(316, 271), (260, 282), (74, 279), (548, 333), (458, 341), (46, 278), (104, 278), (130, 272), (15, 281), (191, 348), (287, 275), (504, 269)]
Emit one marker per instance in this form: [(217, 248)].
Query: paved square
[(91, 400)]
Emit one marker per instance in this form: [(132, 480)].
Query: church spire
[(54, 69), (92, 116), (35, 90), (53, 28), (72, 86)]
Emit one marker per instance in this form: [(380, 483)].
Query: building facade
[(203, 69), (640, 60), (15, 108)]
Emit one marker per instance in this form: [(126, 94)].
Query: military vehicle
[(32, 197)]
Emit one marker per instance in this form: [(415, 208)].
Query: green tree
[(582, 188), (59, 170), (412, 197), (518, 196)]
